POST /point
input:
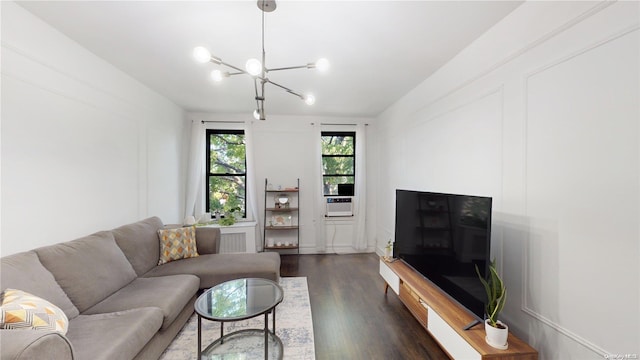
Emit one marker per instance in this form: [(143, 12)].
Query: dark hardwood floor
[(352, 317)]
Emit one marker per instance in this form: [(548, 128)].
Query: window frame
[(208, 173), (340, 133)]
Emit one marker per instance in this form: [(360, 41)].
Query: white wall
[(284, 151), (85, 147), (542, 114)]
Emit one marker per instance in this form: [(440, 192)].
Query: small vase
[(497, 337)]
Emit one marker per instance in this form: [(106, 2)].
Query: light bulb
[(256, 114), (322, 64), (253, 67), (217, 75), (201, 54), (310, 99)]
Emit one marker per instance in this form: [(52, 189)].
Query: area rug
[(294, 326)]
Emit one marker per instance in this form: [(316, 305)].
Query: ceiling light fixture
[(258, 70)]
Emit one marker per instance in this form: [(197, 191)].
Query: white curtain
[(319, 200), (251, 186), (360, 209), (193, 194)]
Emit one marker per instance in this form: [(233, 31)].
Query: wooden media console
[(445, 320)]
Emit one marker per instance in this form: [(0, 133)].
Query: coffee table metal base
[(244, 344), (237, 300)]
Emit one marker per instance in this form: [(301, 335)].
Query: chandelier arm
[(240, 71), (308, 66), (285, 89)]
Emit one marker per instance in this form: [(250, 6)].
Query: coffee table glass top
[(239, 299)]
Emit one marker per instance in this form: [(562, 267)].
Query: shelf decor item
[(282, 201), (281, 220), (497, 332)]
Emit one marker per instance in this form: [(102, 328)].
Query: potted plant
[(388, 250), (497, 332), (230, 216)]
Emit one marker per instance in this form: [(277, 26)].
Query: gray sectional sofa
[(120, 303)]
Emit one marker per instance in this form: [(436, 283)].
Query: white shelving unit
[(282, 218)]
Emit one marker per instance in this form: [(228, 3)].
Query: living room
[(539, 112)]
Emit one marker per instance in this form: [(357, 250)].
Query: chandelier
[(257, 69)]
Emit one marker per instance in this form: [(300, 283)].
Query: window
[(338, 162), (226, 173)]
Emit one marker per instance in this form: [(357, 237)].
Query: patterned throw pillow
[(176, 244), (21, 310)]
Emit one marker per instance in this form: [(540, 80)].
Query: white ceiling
[(379, 50)]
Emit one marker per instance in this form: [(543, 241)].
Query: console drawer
[(412, 301), (390, 277)]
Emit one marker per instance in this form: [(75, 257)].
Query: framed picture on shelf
[(281, 220)]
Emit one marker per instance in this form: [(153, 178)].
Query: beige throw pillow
[(176, 244), (21, 310)]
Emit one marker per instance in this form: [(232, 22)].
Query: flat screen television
[(444, 237)]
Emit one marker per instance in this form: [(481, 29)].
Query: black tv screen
[(444, 237)]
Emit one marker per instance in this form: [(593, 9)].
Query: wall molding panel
[(85, 147), (528, 252)]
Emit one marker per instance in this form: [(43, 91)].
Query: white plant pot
[(496, 337)]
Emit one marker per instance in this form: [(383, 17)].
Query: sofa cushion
[(25, 271), (213, 269), (29, 345), (177, 244), (21, 310), (88, 269), (208, 240), (139, 243), (117, 335), (169, 293)]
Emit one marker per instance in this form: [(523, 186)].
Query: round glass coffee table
[(237, 300)]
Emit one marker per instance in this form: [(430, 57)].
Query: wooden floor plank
[(352, 316)]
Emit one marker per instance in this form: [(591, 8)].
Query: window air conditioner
[(339, 206)]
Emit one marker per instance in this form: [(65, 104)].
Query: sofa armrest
[(34, 344), (207, 240)]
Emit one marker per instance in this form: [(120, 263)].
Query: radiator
[(233, 242)]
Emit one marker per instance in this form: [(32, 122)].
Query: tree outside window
[(338, 160), (226, 172)]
